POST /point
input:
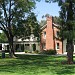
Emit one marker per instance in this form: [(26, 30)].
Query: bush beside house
[(49, 52)]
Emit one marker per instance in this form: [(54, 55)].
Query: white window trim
[(57, 34), (56, 47)]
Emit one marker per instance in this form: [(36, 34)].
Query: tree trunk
[(70, 49), (11, 49)]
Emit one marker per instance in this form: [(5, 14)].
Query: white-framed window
[(57, 46), (57, 33), (44, 33)]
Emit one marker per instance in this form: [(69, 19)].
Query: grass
[(35, 65)]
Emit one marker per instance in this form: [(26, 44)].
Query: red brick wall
[(59, 51)]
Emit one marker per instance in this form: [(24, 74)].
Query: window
[(26, 44), (57, 46), (44, 34), (57, 34)]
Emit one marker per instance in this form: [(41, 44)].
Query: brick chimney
[(49, 34)]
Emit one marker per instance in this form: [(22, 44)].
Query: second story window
[(57, 34), (44, 33)]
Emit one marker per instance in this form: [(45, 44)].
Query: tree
[(33, 23), (31, 26), (13, 13), (56, 20), (67, 15), (42, 23)]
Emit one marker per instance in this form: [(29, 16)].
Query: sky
[(43, 8)]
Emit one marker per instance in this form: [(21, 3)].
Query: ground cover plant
[(36, 65)]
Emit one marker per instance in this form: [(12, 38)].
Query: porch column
[(31, 49), (20, 47)]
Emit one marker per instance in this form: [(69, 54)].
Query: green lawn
[(35, 65)]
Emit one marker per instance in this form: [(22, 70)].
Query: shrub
[(36, 51), (49, 52), (18, 50), (26, 51)]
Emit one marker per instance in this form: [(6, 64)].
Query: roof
[(55, 25), (43, 27)]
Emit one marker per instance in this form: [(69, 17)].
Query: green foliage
[(33, 23), (35, 64), (49, 52), (14, 15), (30, 26), (43, 22), (56, 20), (12, 18), (26, 51), (3, 38), (36, 51), (67, 15)]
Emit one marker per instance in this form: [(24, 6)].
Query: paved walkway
[(40, 54)]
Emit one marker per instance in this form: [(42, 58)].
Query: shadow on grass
[(36, 64), (52, 63)]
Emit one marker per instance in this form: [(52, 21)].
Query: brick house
[(49, 36)]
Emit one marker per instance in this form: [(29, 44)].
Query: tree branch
[(5, 13), (3, 25), (5, 31), (9, 12)]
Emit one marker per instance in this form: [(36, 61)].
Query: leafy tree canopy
[(3, 38), (13, 16), (13, 13)]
